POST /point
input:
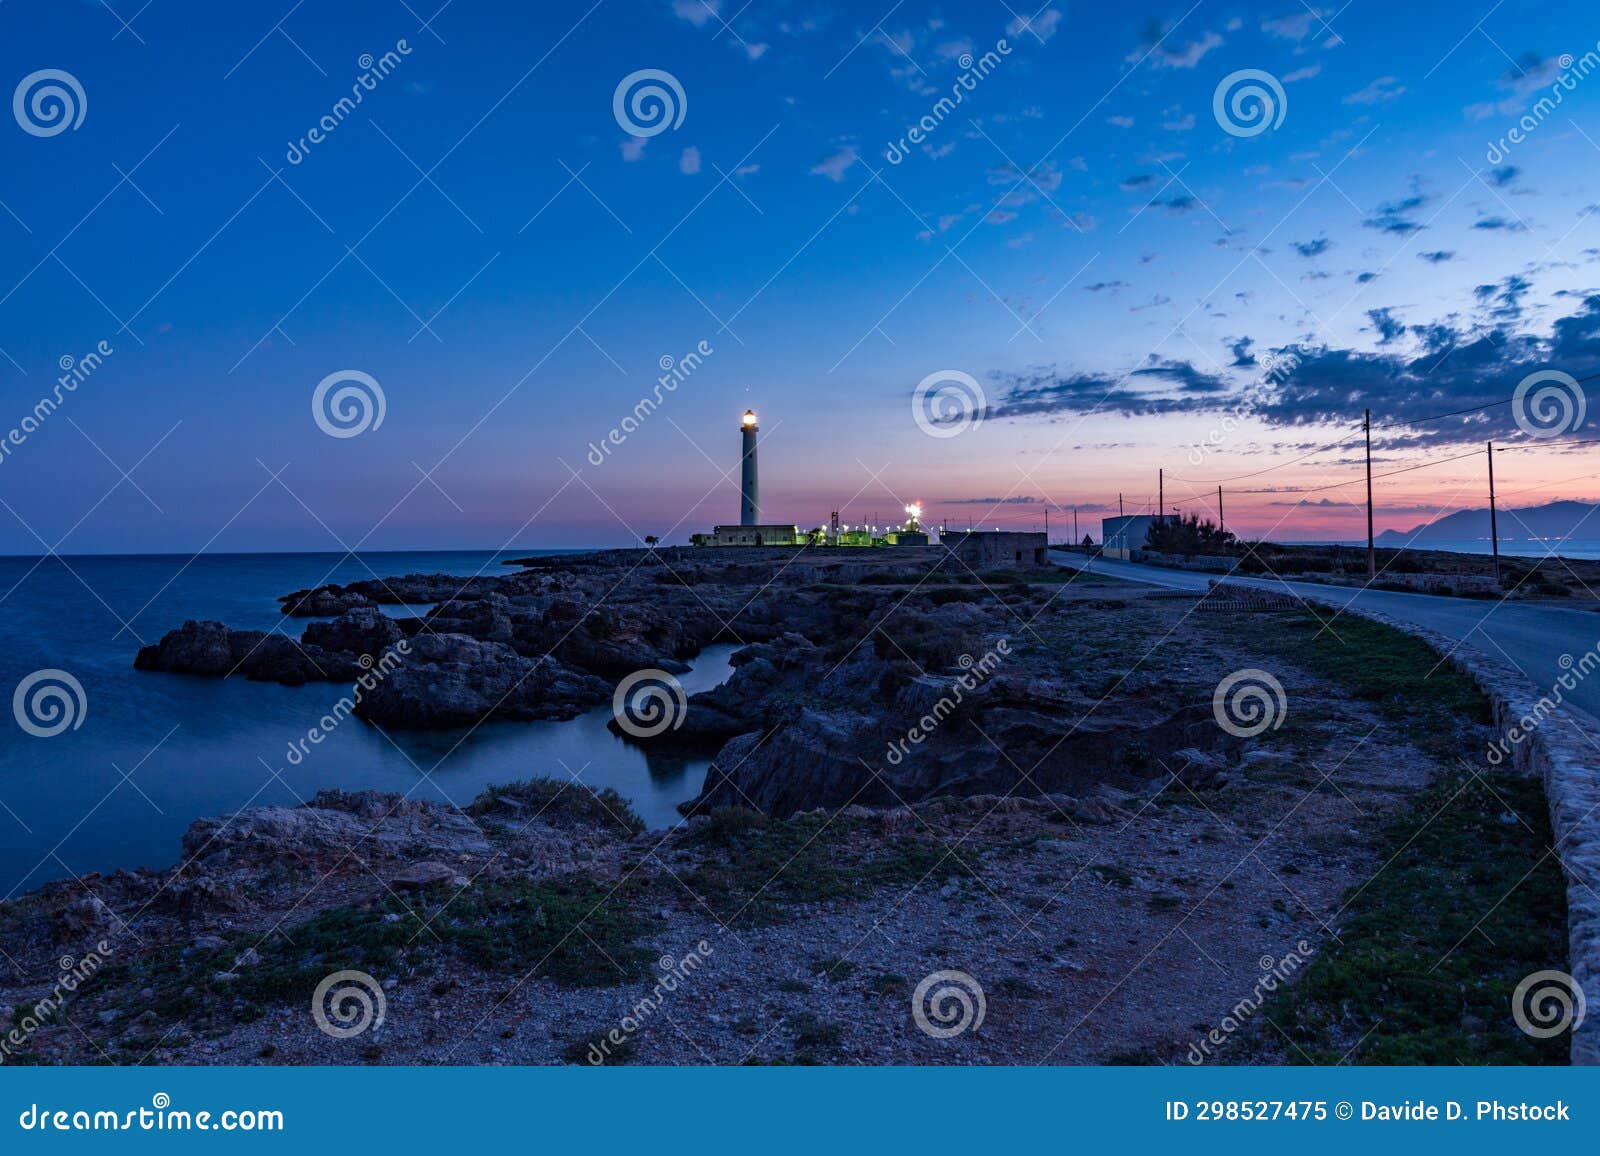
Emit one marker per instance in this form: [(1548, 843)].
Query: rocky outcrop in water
[(452, 680), (211, 648)]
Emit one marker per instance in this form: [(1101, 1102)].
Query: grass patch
[(1385, 667), (558, 803), (509, 925), (756, 869), (1434, 944)]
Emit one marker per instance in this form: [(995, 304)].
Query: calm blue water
[(198, 746), (1517, 547)]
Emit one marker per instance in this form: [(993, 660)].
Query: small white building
[(1120, 537)]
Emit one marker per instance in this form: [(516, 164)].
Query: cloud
[(953, 49), (1163, 53), (1438, 256), (1380, 91), (1531, 73), (1182, 203), (697, 12), (755, 51), (633, 148), (834, 165), (1183, 374), (1296, 26), (1390, 328), (1043, 25), (1137, 181), (1103, 286), (1013, 500), (1120, 121), (1180, 124), (1305, 73), (1367, 278), (1507, 225), (1242, 357), (1395, 216), (1503, 176), (1313, 248), (1330, 387), (689, 161)]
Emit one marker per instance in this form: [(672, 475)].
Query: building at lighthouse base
[(762, 535)]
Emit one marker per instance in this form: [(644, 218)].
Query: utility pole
[(1047, 524), (1161, 495), (1494, 524), (1075, 538), (1372, 554), (1222, 522), (1120, 514)]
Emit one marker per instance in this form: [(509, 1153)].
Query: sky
[(1093, 266)]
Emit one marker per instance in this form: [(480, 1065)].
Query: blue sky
[(1081, 235)]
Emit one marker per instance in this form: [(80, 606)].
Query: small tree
[(1189, 535), (651, 540)]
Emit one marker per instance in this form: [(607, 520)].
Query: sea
[(150, 752), (1575, 548)]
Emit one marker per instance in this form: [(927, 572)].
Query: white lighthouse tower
[(749, 486)]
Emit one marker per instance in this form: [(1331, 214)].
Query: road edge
[(1552, 747)]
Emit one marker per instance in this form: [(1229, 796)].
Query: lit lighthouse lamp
[(749, 484)]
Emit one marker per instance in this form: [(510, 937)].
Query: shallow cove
[(194, 747)]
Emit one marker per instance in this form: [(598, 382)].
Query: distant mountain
[(1580, 520)]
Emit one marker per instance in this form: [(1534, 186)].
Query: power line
[(1269, 469), (1375, 477)]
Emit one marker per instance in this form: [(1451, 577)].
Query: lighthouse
[(749, 486), (751, 530)]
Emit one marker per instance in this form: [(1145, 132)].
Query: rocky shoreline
[(1015, 775)]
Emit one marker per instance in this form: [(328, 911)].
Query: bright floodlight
[(749, 417), (914, 511)]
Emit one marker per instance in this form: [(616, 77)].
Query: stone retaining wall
[(1563, 752)]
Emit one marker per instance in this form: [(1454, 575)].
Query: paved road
[(1533, 637)]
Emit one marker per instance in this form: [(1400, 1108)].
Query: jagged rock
[(212, 649), (365, 631), (428, 873), (334, 823), (84, 916), (323, 602), (451, 680)]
